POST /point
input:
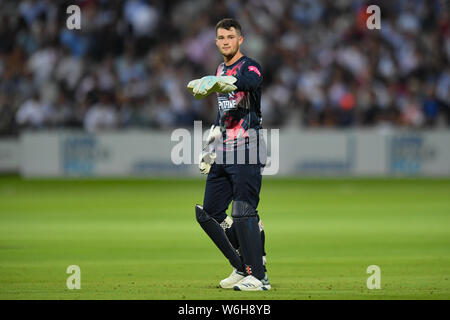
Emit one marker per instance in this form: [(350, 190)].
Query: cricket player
[(233, 159)]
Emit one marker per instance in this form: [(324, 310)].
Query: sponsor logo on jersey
[(227, 104)]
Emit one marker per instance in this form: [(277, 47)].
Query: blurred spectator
[(430, 107), (322, 67), (101, 115), (62, 112), (33, 113)]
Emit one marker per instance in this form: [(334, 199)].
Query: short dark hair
[(229, 23)]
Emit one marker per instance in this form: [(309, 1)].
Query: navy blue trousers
[(227, 182)]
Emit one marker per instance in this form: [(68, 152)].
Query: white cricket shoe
[(250, 283), (232, 280)]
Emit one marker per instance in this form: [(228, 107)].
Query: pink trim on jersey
[(236, 132), (238, 96), (232, 72), (254, 69), (219, 70)]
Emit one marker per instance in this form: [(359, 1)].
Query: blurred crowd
[(128, 65)]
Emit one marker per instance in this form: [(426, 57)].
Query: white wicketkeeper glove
[(206, 161), (200, 88), (208, 154), (214, 136)]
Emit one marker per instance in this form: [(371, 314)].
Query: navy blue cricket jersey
[(240, 110)]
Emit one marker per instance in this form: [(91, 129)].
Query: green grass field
[(138, 239)]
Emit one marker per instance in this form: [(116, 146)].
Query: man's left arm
[(250, 77)]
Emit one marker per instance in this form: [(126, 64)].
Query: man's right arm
[(200, 88)]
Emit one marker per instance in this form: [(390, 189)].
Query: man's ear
[(241, 39)]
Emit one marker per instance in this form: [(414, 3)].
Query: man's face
[(228, 41)]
